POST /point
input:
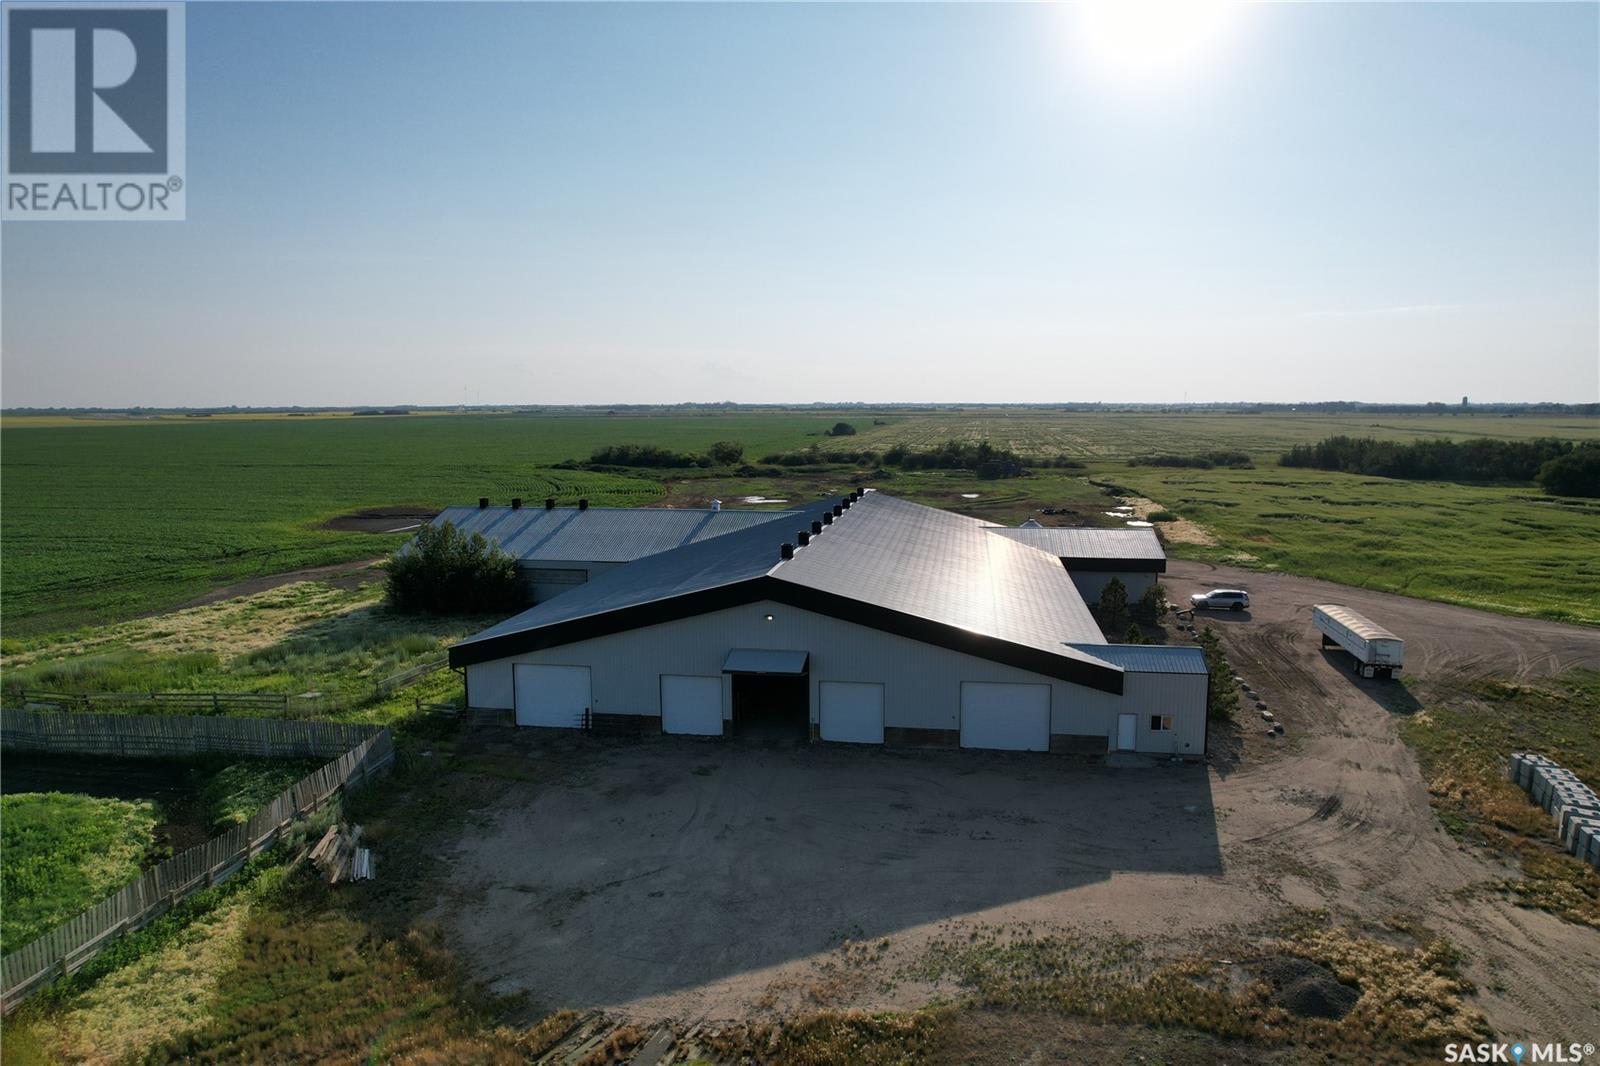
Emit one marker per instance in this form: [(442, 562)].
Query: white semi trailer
[(1377, 652)]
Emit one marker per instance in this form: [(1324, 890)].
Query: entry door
[(1005, 717), (550, 695), (1127, 732), (691, 704), (852, 712)]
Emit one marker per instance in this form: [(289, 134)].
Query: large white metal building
[(866, 619)]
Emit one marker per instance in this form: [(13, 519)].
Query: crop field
[(106, 520)]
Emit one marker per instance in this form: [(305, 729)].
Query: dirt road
[(674, 879)]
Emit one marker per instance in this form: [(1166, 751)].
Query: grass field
[(106, 520), (59, 853), (1513, 550)]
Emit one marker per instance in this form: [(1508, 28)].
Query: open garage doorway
[(771, 694)]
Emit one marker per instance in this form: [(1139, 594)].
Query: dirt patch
[(382, 520), (1178, 531), (1308, 989), (338, 575)]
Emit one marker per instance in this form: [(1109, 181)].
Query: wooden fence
[(356, 752), (184, 702)]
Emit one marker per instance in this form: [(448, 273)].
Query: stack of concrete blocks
[(1573, 804)]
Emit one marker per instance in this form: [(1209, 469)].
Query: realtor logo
[(94, 111)]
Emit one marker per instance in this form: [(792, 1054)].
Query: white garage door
[(852, 712), (551, 695), (1008, 717), (691, 705)]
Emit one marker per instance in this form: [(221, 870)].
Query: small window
[(1160, 723)]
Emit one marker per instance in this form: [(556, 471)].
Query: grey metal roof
[(599, 534), (765, 661), (885, 563), (1087, 542), (1150, 658)]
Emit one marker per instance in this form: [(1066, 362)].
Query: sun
[(1149, 40)]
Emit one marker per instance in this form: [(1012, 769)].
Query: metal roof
[(1359, 624), (764, 661), (1088, 542), (599, 534), (1151, 658), (885, 563)]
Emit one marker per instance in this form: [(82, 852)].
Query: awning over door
[(764, 661)]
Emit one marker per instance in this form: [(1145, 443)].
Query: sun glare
[(1149, 40)]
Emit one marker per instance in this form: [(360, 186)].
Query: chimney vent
[(827, 518), (483, 502), (516, 503), (816, 529), (583, 505), (786, 551), (716, 505), (549, 503), (802, 538), (838, 509)]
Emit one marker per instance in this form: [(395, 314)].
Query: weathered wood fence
[(356, 752), (183, 702)]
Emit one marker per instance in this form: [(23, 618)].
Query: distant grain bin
[(1377, 652)]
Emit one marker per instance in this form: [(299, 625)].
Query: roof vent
[(816, 529), (516, 503), (838, 509), (802, 538), (827, 518), (786, 551), (848, 500), (716, 505), (483, 502), (549, 503), (583, 505)]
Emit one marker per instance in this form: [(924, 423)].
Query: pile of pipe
[(1573, 804)]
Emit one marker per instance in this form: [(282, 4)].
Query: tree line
[(1559, 466)]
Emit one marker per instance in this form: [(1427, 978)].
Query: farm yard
[(1366, 881)]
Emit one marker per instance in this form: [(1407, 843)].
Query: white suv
[(1220, 600)]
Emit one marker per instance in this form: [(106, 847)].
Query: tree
[(1135, 635), (1575, 474), (842, 429), (1114, 606), (727, 452), (1151, 606), (1223, 696), (446, 571)]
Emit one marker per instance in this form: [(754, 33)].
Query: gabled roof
[(1090, 548), (885, 563), (599, 534), (1151, 658)]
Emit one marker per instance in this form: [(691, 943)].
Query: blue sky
[(659, 203)]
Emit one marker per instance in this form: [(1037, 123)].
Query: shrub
[(1113, 609), (1575, 474), (842, 429), (1151, 606), (727, 452), (1135, 635), (647, 455), (1161, 516), (445, 571), (1202, 461), (1223, 695)]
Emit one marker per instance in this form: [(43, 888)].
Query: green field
[(103, 520), (59, 853)]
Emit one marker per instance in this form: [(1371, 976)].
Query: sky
[(621, 203)]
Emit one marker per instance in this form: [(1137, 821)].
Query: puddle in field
[(970, 495), (1144, 525), (760, 499), (1121, 512)]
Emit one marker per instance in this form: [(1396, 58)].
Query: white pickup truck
[(1377, 652)]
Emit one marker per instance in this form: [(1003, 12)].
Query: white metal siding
[(923, 688), (1181, 695), (852, 711)]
